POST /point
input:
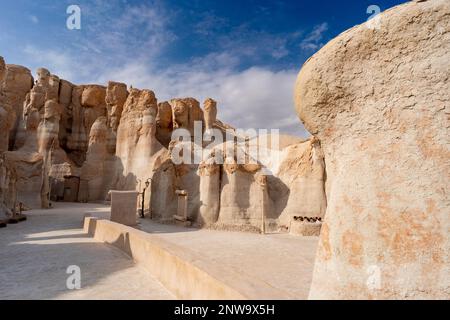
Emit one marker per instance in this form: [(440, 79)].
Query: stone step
[(183, 272)]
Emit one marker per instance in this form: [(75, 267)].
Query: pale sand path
[(34, 256)]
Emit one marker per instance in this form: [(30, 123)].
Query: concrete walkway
[(35, 255)]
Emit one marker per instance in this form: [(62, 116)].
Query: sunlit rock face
[(378, 99), (15, 83), (80, 141), (136, 140)]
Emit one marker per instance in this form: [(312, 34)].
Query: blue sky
[(245, 54)]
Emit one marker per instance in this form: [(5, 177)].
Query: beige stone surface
[(94, 168), (108, 138), (35, 255), (210, 112), (17, 82), (116, 96), (208, 264), (136, 141), (28, 163), (124, 207), (378, 99), (186, 112), (164, 123)]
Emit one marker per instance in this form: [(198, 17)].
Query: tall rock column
[(17, 82), (136, 140), (209, 193), (92, 177), (379, 100)]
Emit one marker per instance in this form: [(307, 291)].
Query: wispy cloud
[(34, 19), (129, 44), (253, 98), (313, 41)]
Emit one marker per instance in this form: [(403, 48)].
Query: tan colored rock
[(77, 141), (5, 174), (92, 173), (7, 119), (164, 124), (16, 84), (379, 102), (2, 69), (65, 99), (136, 141), (163, 188), (210, 113), (210, 190), (28, 163), (185, 112), (124, 207), (116, 96), (94, 104), (302, 172)]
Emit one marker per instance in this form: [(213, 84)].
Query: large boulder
[(379, 100)]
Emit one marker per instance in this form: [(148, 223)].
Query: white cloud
[(125, 47), (58, 62), (312, 41), (34, 19), (253, 98)]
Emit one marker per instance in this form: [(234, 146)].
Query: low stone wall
[(181, 271)]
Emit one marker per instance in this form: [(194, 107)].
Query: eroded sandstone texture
[(67, 142), (379, 101)]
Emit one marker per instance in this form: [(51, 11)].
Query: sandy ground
[(35, 255)]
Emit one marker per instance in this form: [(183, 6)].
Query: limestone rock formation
[(185, 113), (116, 96), (164, 124), (210, 111), (5, 176), (29, 162), (302, 171), (94, 104), (136, 141), (17, 82), (77, 142), (2, 69), (92, 178), (378, 99)]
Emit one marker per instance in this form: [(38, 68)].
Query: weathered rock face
[(210, 189), (164, 124), (94, 104), (136, 141), (379, 99), (185, 113), (28, 163), (65, 99), (92, 178), (116, 96), (243, 199), (210, 111), (2, 69), (302, 172), (5, 176), (77, 142), (17, 82)]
